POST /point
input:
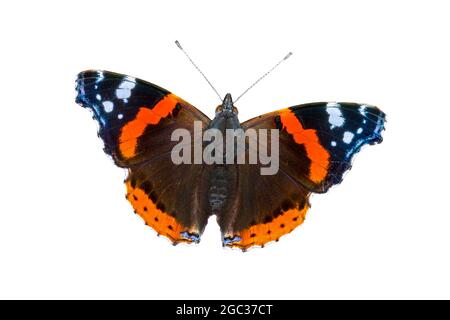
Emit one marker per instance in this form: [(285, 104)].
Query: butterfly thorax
[(226, 119)]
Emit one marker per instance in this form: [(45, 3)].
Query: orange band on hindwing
[(260, 234), (161, 222), (318, 155), (131, 132)]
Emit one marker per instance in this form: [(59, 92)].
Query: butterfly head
[(227, 105)]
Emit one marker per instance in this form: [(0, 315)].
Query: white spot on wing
[(120, 116), (333, 143), (359, 131), (108, 106), (362, 109), (379, 125), (334, 115), (100, 75), (123, 93), (98, 97), (125, 87), (348, 137)]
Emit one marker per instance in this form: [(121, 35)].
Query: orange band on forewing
[(318, 155), (260, 234), (135, 128), (160, 221)]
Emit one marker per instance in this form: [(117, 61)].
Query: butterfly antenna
[(264, 75), (198, 69)]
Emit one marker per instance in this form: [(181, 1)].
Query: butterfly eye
[(219, 108), (235, 110)]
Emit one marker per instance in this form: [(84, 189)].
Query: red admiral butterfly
[(316, 144)]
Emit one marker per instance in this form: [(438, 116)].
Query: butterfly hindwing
[(136, 120), (265, 207)]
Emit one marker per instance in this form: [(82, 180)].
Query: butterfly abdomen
[(222, 184)]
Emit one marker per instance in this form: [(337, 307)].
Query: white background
[(66, 230)]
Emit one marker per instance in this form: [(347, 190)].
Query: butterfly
[(317, 142)]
